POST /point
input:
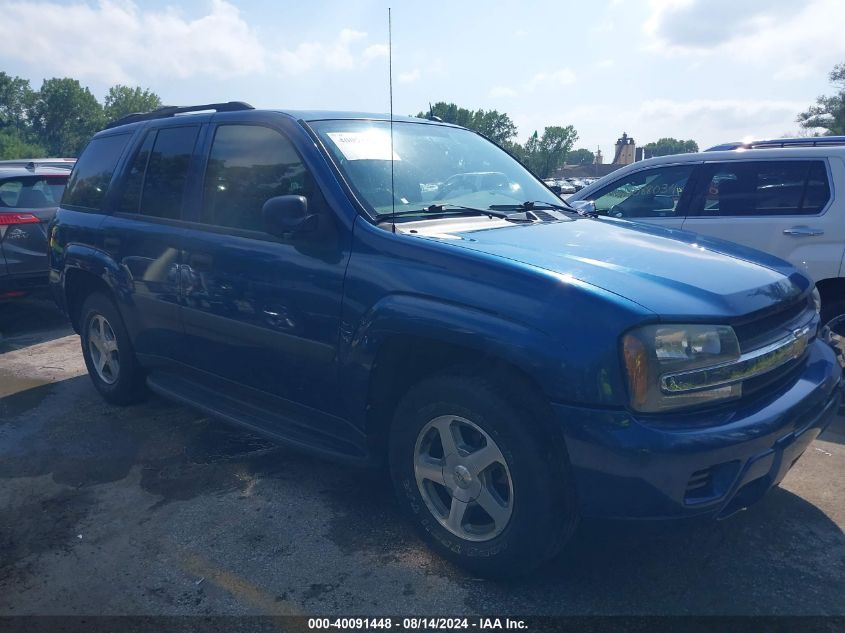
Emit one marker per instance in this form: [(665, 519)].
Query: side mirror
[(584, 207), (285, 216)]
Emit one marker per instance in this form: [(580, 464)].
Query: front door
[(656, 196), (259, 310)]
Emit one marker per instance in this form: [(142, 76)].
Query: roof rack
[(169, 111), (809, 141)]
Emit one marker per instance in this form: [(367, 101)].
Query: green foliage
[(666, 146), (581, 157), (65, 115), (122, 100), (59, 119), (497, 126), (829, 112), (544, 154), (14, 145)]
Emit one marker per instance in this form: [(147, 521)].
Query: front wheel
[(475, 473)]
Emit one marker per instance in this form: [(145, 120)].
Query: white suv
[(778, 196)]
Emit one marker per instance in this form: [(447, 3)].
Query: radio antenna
[(390, 83)]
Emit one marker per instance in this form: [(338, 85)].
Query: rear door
[(144, 235), (656, 195), (782, 207)]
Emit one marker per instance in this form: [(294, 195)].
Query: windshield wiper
[(533, 205), (456, 209)]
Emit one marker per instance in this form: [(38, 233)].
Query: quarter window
[(248, 165), (651, 193), (93, 172), (763, 188)]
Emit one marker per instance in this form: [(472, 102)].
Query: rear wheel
[(476, 475), (108, 352)]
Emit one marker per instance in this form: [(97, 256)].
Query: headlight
[(658, 357)]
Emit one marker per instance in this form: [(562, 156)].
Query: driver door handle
[(803, 231)]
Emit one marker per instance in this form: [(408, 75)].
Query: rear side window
[(93, 172), (763, 188), (248, 165), (156, 179), (32, 192)]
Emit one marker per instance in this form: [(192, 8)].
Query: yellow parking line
[(241, 588)]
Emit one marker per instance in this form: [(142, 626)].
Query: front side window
[(432, 165), (650, 193), (32, 192), (93, 172), (763, 188), (248, 165)]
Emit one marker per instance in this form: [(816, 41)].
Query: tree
[(581, 157), (829, 112), (17, 139), (16, 99), (122, 100), (666, 146), (544, 154), (495, 125), (65, 115)]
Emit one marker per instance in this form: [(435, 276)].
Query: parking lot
[(156, 509)]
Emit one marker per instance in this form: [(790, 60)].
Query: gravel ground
[(156, 509)]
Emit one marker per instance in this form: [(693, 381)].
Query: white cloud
[(606, 63), (121, 41), (561, 77), (779, 34), (339, 55), (409, 77), (116, 41), (502, 91)]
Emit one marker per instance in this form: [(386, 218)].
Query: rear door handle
[(803, 231), (200, 262)]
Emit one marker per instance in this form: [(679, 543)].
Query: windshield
[(433, 165)]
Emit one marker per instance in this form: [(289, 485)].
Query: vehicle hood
[(675, 274)]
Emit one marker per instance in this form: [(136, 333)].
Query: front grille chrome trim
[(749, 365)]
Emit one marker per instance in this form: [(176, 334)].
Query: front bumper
[(712, 463)]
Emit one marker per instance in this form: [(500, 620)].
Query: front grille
[(763, 331), (757, 333)]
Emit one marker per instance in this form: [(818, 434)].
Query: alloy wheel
[(463, 478), (102, 346)]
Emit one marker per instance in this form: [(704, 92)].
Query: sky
[(710, 70)]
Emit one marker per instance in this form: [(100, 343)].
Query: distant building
[(626, 151)]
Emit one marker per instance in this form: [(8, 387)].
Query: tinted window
[(32, 192), (130, 201), (92, 173), (763, 188), (167, 172), (651, 193), (247, 166)]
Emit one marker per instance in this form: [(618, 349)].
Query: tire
[(830, 311), (108, 352), (531, 485)]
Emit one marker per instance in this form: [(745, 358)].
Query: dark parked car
[(514, 364), (30, 191)]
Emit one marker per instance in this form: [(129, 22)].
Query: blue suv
[(405, 294)]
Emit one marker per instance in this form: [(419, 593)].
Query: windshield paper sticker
[(370, 145)]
